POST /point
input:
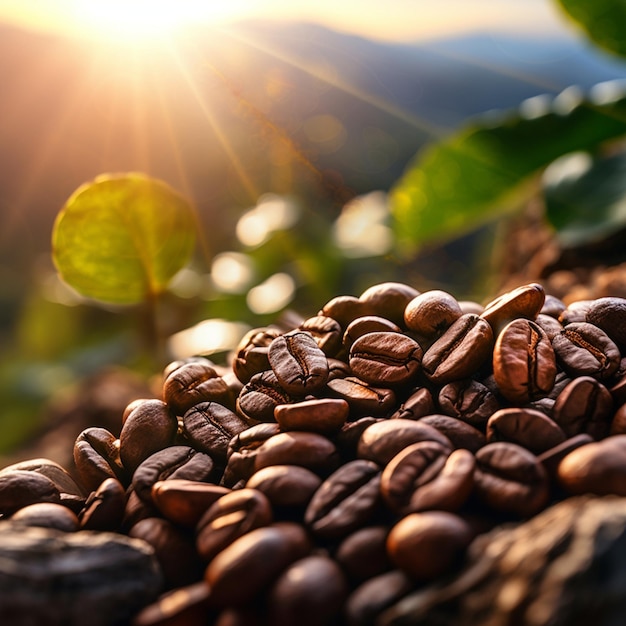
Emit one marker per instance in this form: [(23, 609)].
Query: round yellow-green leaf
[(121, 238)]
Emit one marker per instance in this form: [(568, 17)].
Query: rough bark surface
[(73, 579), (564, 567)]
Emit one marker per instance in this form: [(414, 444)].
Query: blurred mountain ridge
[(226, 115)]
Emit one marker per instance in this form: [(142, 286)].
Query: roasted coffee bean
[(371, 598), (20, 488), (460, 352), (47, 515), (310, 450), (300, 366), (427, 545), (185, 606), (193, 383), (584, 406), (583, 349), (459, 433), (468, 400), (389, 300), (552, 307), (362, 398), (525, 301), (609, 314), (529, 428), (254, 561), (210, 427), (230, 517), (618, 423), (418, 404), (173, 549), (285, 485), (549, 325), (431, 313), (309, 592), (242, 451), (345, 501), (347, 440), (251, 353), (63, 480), (260, 396), (338, 369), (381, 441), (184, 502), (576, 312), (345, 309), (104, 507), (427, 476), (363, 553), (97, 457), (510, 479), (598, 468), (326, 331), (385, 358), (148, 428), (320, 415), (172, 366), (180, 462), (367, 324), (524, 364), (551, 458)]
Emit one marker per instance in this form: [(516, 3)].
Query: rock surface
[(73, 579), (564, 567)]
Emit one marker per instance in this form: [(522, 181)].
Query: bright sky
[(385, 19)]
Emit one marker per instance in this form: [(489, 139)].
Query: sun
[(141, 20)]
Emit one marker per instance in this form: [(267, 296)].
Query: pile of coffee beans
[(335, 467)]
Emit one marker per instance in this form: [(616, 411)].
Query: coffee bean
[(251, 353), (551, 458), (19, 488), (367, 324), (184, 502), (148, 428), (385, 358), (327, 333), (459, 433), (468, 400), (104, 507), (525, 301), (460, 352), (345, 309), (609, 314), (97, 457), (529, 428), (389, 300), (47, 515), (431, 313), (181, 462), (524, 364), (583, 349), (260, 396), (584, 406), (427, 476), (254, 561), (299, 364), (363, 553), (427, 545), (285, 485), (510, 479), (321, 415), (231, 516), (346, 500), (418, 404), (210, 426), (362, 398), (309, 592), (381, 441), (598, 468), (193, 383)]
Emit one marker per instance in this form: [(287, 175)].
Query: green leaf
[(601, 20), (586, 197), (490, 167), (121, 238)]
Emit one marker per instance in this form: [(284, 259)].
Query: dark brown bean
[(431, 313), (97, 457), (388, 300), (299, 364), (319, 415), (260, 396), (363, 399), (285, 485)]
